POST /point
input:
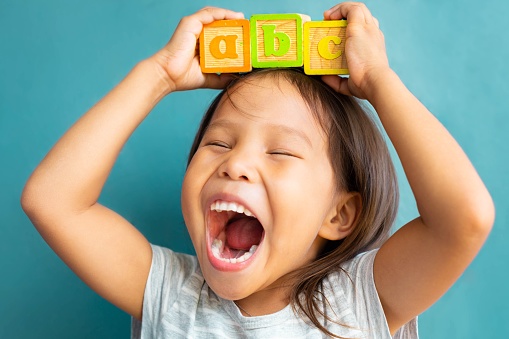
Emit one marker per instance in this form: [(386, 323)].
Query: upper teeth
[(221, 206)]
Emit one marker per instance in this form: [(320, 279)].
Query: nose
[(239, 165)]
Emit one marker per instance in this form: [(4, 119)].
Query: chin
[(229, 286)]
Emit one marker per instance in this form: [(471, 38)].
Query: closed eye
[(283, 153), (218, 144)]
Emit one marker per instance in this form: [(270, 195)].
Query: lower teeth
[(217, 248)]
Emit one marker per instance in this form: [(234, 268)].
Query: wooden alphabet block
[(225, 47), (324, 46), (276, 40)]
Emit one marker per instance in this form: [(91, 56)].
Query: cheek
[(303, 198), (200, 170), (192, 185), (185, 198), (197, 173), (305, 186)]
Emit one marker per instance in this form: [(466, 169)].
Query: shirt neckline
[(268, 320)]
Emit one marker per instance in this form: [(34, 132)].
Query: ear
[(342, 218)]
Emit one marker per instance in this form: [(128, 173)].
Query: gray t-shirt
[(178, 303)]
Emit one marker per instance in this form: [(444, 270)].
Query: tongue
[(243, 233)]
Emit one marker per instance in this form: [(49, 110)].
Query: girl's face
[(265, 156)]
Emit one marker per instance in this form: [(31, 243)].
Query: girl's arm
[(60, 197), (417, 265)]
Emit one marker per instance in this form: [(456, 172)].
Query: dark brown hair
[(361, 163)]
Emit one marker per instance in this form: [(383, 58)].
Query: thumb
[(218, 81), (337, 83)]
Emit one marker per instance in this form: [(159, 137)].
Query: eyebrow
[(275, 128)]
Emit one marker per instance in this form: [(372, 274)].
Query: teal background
[(57, 58)]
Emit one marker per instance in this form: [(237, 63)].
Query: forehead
[(269, 100)]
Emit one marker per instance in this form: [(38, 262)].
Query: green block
[(277, 40)]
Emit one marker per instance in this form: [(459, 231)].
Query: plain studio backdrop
[(58, 58)]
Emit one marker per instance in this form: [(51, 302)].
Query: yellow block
[(324, 47)]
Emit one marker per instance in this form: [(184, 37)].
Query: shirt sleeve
[(168, 273), (365, 301)]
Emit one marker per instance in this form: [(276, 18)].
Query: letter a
[(230, 50)]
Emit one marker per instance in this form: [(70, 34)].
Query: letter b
[(276, 40), (269, 37)]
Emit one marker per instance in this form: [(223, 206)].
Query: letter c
[(323, 47)]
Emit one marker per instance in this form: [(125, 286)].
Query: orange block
[(225, 47)]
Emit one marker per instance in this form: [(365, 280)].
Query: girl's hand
[(364, 50), (179, 59)]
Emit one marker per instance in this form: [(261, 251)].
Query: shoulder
[(170, 271), (359, 269), (170, 274), (165, 260), (355, 275), (361, 261), (353, 285)]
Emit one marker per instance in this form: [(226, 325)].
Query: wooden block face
[(276, 40), (225, 47), (324, 47)]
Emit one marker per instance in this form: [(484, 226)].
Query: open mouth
[(234, 232)]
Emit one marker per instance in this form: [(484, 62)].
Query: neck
[(264, 302)]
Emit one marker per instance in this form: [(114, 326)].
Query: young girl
[(288, 197)]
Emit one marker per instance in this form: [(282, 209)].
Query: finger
[(354, 12), (327, 13), (337, 83), (350, 11), (368, 17), (194, 23), (210, 14), (377, 23), (334, 9)]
